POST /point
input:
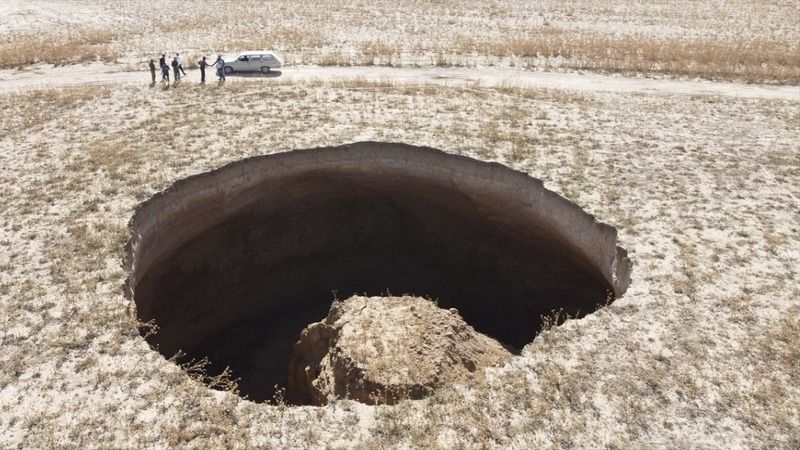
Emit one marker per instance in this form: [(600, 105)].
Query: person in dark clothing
[(162, 61), (165, 73), (153, 70), (203, 64), (176, 69)]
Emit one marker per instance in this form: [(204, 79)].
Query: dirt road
[(40, 76)]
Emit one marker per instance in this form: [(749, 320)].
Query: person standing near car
[(203, 64), (220, 65), (180, 63), (165, 73), (153, 70), (176, 69)]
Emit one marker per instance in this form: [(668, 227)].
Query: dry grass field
[(749, 40), (703, 351)]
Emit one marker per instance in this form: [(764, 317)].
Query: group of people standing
[(177, 68)]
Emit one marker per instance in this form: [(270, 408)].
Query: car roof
[(257, 52)]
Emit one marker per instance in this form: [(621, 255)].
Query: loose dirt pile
[(381, 350)]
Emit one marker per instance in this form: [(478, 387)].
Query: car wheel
[(228, 70), (265, 69)]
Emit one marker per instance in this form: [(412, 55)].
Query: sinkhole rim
[(511, 200)]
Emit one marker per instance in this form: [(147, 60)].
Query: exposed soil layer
[(234, 263)]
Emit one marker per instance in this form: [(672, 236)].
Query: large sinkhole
[(232, 264)]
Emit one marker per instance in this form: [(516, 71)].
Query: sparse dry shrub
[(333, 59), (547, 42), (198, 370), (466, 45), (379, 52), (364, 83)]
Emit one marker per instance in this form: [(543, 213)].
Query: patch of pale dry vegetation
[(748, 40)]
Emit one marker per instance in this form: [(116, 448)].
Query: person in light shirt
[(220, 65), (180, 63)]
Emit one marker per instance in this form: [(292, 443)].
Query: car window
[(267, 57), (255, 58)]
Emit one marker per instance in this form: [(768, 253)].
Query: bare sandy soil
[(701, 178)]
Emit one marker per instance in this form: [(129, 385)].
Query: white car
[(254, 61)]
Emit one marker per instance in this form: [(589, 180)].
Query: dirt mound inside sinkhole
[(380, 350)]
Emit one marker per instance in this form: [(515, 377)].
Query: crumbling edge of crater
[(174, 216)]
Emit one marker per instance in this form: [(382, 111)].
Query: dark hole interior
[(240, 292)]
